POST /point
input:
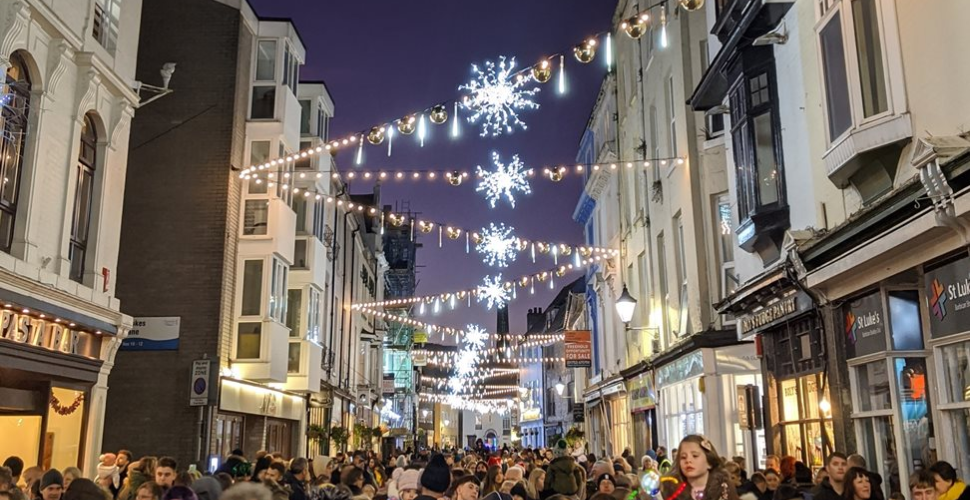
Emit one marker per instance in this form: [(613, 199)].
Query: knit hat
[(519, 491), (494, 461), (409, 480), (436, 476), (83, 489), (207, 488), (50, 478), (560, 449), (396, 475)]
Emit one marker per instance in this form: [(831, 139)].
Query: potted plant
[(339, 435), (574, 436)]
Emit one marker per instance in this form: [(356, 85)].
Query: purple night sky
[(382, 60)]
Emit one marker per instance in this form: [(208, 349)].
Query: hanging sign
[(579, 350)]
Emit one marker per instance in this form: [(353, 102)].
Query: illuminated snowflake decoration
[(505, 180), (493, 292), (496, 95), (497, 246), (475, 337), (467, 359)]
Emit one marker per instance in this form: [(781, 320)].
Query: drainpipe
[(350, 313)]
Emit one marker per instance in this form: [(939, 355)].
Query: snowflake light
[(475, 337), (505, 180), (493, 292), (497, 245), (467, 359), (497, 94)]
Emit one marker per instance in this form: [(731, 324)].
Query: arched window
[(87, 159), (14, 105)]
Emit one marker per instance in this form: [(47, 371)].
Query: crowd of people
[(693, 471)]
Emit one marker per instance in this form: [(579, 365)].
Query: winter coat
[(825, 491), (564, 476), (279, 491), (718, 488), (136, 478), (296, 486), (955, 492)]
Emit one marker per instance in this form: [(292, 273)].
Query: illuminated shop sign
[(40, 330)]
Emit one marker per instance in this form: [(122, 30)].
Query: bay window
[(757, 142), (278, 291)]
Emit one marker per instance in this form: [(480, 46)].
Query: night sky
[(384, 59)]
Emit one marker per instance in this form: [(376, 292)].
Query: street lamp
[(560, 387), (446, 422), (625, 305)]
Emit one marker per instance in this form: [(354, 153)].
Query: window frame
[(105, 26), (21, 88), (889, 56), (86, 168), (276, 308)]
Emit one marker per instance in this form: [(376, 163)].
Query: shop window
[(959, 427), (799, 427), (305, 111), (914, 408), (248, 337), (13, 142), (264, 102), (83, 197), (256, 217), (956, 372), (876, 442), (904, 319), (27, 432), (295, 298), (65, 420), (875, 377), (228, 434), (293, 358), (252, 289)]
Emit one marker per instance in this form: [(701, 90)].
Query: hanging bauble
[(454, 178), (650, 482), (524, 281), (691, 5), (555, 175), (635, 27), (523, 244), (453, 233), (476, 238), (586, 51), (396, 220), (542, 247), (585, 252), (425, 226), (542, 71), (439, 114), (376, 135), (543, 276), (565, 249), (407, 125), (561, 271)]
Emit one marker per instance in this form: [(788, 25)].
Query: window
[(293, 358), (313, 315), (550, 402), (322, 124), (266, 60), (319, 220), (258, 154), (107, 13), (672, 116), (655, 142), (300, 207), (83, 197), (756, 142), (13, 141), (304, 162), (291, 69), (683, 327), (305, 111), (256, 217), (278, 292), (294, 309), (856, 83), (252, 291), (299, 254), (955, 360), (724, 235), (664, 286), (264, 102), (248, 340)]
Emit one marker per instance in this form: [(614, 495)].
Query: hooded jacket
[(564, 477), (136, 478)]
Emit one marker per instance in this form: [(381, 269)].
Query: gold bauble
[(565, 249), (586, 51), (454, 178), (476, 238), (439, 114), (524, 281), (561, 271), (542, 71), (396, 220), (542, 247), (376, 136), (585, 251), (523, 244), (635, 27), (425, 226), (453, 233), (555, 175), (691, 5), (407, 125)]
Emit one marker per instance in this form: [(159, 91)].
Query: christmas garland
[(66, 410)]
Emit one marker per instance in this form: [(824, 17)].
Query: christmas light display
[(504, 181), (494, 292), (497, 245), (475, 336), (497, 94)]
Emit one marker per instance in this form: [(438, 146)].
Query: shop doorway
[(279, 436)]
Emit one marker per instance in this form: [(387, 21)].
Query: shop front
[(257, 417), (643, 412), (596, 423), (696, 384), (533, 431), (54, 366)]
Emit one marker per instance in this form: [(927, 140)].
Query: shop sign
[(579, 412), (26, 329), (642, 393), (773, 312), (865, 326), (579, 350), (254, 399), (948, 297), (739, 359), (419, 358), (680, 369), (387, 384), (420, 337), (531, 414), (153, 334)]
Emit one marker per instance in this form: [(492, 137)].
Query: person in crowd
[(250, 491), (624, 486), (435, 480), (504, 491), (296, 478), (734, 475), (16, 466), (207, 488), (360, 461), (273, 478), (698, 472), (948, 485), (353, 478), (533, 486), (757, 488), (787, 470), (322, 468), (225, 480), (165, 472), (773, 479), (376, 471), (820, 476), (599, 468), (31, 479), (84, 489), (563, 475), (408, 486), (368, 491), (259, 470), (773, 462), (833, 486), (875, 480), (788, 492), (803, 475), (149, 490), (70, 474), (9, 485), (481, 471), (606, 483), (139, 472), (109, 476), (741, 463), (493, 480), (922, 486), (51, 485), (857, 485), (123, 461)]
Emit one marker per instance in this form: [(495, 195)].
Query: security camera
[(168, 69)]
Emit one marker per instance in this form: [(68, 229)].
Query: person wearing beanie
[(259, 470), (85, 489), (207, 488), (392, 488), (519, 492), (409, 484), (435, 479), (563, 476), (51, 485)]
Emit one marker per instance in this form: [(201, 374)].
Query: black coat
[(297, 487), (825, 491)]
